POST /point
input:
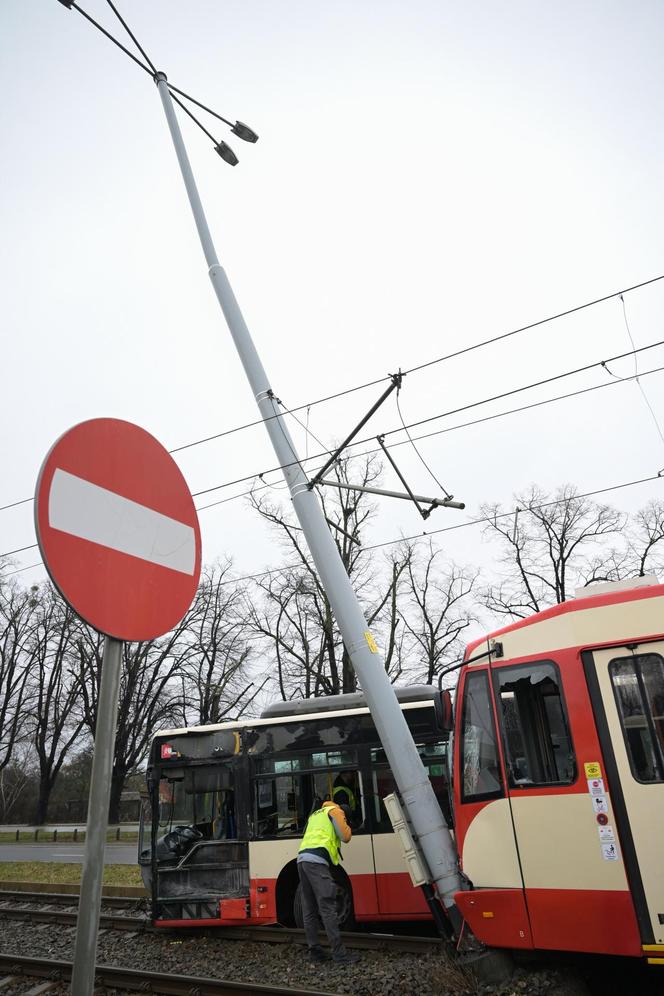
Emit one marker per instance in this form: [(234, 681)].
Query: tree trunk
[(45, 787), (118, 779)]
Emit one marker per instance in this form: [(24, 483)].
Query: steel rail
[(403, 943), (154, 982), (68, 898), (108, 921)]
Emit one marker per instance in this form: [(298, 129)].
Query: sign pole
[(83, 974)]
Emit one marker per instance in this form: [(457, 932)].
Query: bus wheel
[(345, 913)]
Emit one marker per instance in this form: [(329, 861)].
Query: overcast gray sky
[(428, 175)]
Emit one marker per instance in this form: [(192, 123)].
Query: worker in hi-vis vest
[(320, 849)]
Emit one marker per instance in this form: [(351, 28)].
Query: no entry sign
[(118, 530)]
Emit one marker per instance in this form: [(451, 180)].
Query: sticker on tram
[(592, 769), (606, 834), (609, 852), (600, 805), (596, 786)]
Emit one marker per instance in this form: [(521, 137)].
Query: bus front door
[(626, 685)]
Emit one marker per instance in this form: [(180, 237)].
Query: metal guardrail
[(51, 832)]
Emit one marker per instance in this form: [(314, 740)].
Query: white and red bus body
[(559, 824), (276, 767)]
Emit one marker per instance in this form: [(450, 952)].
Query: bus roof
[(411, 697), (352, 700)]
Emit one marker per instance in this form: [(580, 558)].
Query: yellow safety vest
[(320, 832), (350, 795)]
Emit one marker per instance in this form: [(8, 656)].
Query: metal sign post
[(120, 539), (87, 926)]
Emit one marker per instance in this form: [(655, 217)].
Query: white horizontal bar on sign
[(85, 510)]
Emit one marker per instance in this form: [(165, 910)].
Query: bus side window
[(382, 783), (480, 770), (638, 685), (277, 806), (538, 745)]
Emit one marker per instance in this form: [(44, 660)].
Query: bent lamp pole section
[(410, 774)]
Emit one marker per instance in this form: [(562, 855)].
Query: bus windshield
[(203, 798)]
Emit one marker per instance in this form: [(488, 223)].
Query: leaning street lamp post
[(410, 774)]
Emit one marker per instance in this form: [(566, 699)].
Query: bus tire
[(345, 911)]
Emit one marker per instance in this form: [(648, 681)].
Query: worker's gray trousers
[(319, 896)]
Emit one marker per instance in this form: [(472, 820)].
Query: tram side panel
[(572, 888)]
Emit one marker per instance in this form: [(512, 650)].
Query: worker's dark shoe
[(317, 953), (344, 957)]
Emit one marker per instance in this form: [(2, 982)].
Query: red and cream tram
[(557, 791), (559, 777)]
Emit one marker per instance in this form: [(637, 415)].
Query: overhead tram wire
[(439, 432), (429, 435), (431, 532), (454, 411), (423, 366), (402, 442), (379, 380)]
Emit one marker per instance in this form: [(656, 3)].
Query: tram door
[(627, 688)]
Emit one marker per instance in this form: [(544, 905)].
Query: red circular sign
[(118, 530)]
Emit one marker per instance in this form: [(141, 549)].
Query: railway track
[(13, 967), (41, 910)]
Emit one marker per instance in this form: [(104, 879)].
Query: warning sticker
[(592, 769), (606, 834), (609, 852), (600, 804), (371, 643), (596, 786)]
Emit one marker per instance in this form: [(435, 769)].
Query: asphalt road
[(115, 854)]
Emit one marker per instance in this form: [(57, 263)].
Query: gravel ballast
[(378, 973)]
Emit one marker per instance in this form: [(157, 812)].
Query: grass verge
[(61, 873)]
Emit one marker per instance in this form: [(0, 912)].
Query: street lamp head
[(244, 132), (67, 3), (226, 154)]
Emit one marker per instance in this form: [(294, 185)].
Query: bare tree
[(15, 784), (549, 546), (150, 695), (437, 611), (57, 727), (215, 674), (295, 617), (16, 635), (645, 546)]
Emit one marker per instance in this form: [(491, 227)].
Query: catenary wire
[(431, 532), (453, 428), (636, 373), (380, 380), (454, 411), (412, 443), (440, 359), (316, 456)]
